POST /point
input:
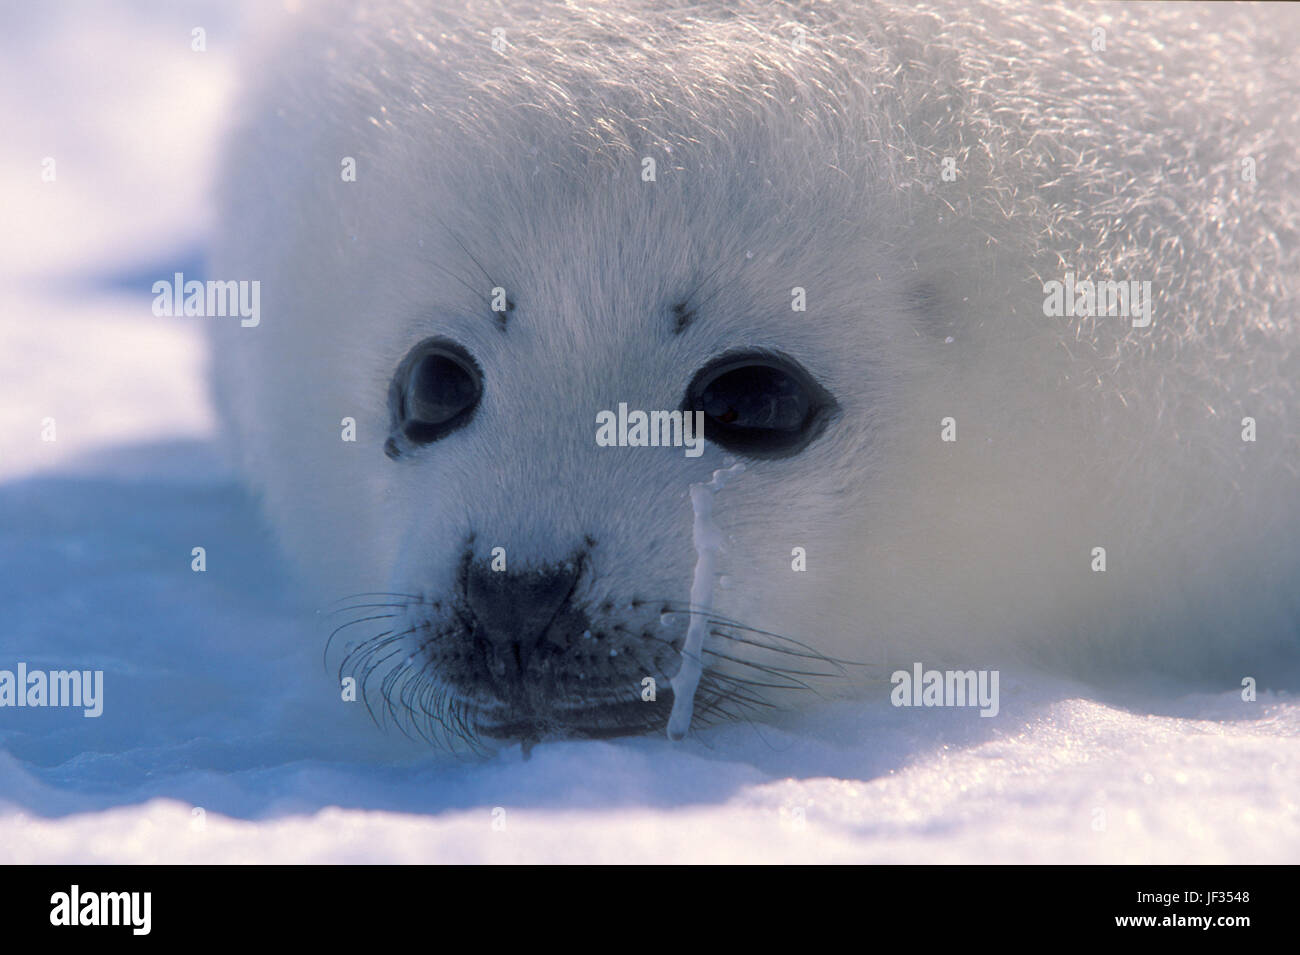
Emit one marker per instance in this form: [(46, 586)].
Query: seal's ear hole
[(759, 404), (926, 301), (923, 297), (434, 391)]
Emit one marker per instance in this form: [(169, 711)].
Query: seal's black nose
[(515, 612)]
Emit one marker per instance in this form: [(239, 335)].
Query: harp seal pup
[(478, 227)]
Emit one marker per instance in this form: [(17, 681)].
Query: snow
[(223, 738)]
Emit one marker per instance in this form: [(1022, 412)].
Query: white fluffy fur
[(781, 167)]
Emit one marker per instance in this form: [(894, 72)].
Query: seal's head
[(535, 462), (533, 251), (487, 239)]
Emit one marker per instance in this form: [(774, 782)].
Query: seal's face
[(479, 302), (490, 287), (546, 574), (513, 278), (542, 572), (525, 640)]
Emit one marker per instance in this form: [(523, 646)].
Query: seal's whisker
[(720, 699), (720, 620), (798, 684), (350, 623), (380, 593), (366, 663), (371, 666), (809, 650), (769, 686), (452, 275), (726, 634), (362, 655), (735, 688), (407, 696), (386, 685), (736, 691), (839, 671), (364, 650), (738, 681), (794, 683), (772, 669), (348, 609)]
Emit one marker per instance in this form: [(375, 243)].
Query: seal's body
[(867, 243)]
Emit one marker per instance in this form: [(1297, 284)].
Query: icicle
[(708, 541)]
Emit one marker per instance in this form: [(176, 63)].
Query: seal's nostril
[(514, 610)]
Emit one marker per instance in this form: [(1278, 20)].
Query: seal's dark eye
[(435, 391), (759, 405)]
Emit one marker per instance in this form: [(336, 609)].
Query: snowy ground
[(215, 694)]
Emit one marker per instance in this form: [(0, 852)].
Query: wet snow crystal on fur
[(708, 541)]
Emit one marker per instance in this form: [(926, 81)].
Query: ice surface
[(215, 696)]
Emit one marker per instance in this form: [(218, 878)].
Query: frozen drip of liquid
[(708, 541)]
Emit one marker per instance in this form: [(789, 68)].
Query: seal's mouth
[(601, 683), (434, 672), (602, 721)]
